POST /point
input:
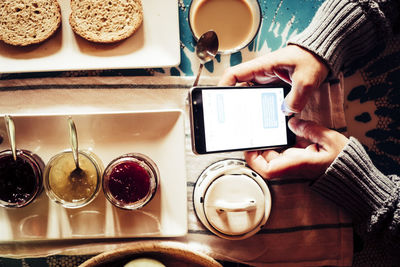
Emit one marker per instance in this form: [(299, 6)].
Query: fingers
[(259, 70), (292, 64), (324, 137), (244, 72), (271, 164), (308, 74), (305, 79), (283, 73), (255, 160), (259, 161), (301, 142), (308, 130), (297, 98), (290, 164)]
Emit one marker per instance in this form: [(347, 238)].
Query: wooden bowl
[(168, 252)]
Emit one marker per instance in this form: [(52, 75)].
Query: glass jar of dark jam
[(20, 180), (130, 181)]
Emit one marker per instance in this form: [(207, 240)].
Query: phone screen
[(240, 119)]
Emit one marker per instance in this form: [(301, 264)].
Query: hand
[(292, 64), (316, 148)]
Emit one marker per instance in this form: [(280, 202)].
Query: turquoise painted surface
[(297, 14), (280, 19)]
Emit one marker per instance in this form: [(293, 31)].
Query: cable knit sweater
[(341, 32), (373, 199)]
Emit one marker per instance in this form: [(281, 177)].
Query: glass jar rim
[(147, 164), (68, 204), (37, 171)]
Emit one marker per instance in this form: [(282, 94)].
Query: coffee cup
[(236, 22)]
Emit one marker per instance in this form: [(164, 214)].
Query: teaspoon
[(11, 134), (77, 173), (206, 50)]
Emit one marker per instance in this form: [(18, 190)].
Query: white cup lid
[(234, 204), (231, 200)]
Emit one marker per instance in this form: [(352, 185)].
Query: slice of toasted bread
[(26, 22), (105, 21)]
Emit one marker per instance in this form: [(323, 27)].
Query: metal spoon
[(77, 173), (206, 50), (11, 134)]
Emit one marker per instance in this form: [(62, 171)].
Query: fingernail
[(286, 110)]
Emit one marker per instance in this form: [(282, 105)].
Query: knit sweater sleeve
[(371, 198), (343, 31)]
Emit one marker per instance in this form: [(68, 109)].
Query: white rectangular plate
[(155, 44), (157, 134)]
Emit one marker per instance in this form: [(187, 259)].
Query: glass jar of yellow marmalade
[(72, 191)]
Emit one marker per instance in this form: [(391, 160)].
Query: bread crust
[(27, 22), (104, 21)]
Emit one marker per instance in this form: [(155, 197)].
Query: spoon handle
[(198, 75), (11, 134), (74, 141)]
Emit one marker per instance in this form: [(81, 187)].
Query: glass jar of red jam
[(21, 179), (130, 181), (72, 191)]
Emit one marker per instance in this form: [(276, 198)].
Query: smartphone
[(227, 119)]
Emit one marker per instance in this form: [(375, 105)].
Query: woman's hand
[(292, 64), (316, 148)]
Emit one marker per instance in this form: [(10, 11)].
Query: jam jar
[(21, 179), (130, 181), (73, 191)]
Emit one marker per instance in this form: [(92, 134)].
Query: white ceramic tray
[(155, 44), (158, 134)]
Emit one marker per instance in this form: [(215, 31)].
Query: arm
[(341, 171), (342, 32), (370, 197)]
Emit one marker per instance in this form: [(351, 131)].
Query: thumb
[(301, 90), (311, 131)]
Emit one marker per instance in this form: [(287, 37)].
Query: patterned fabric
[(374, 118), (381, 87), (52, 261)]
